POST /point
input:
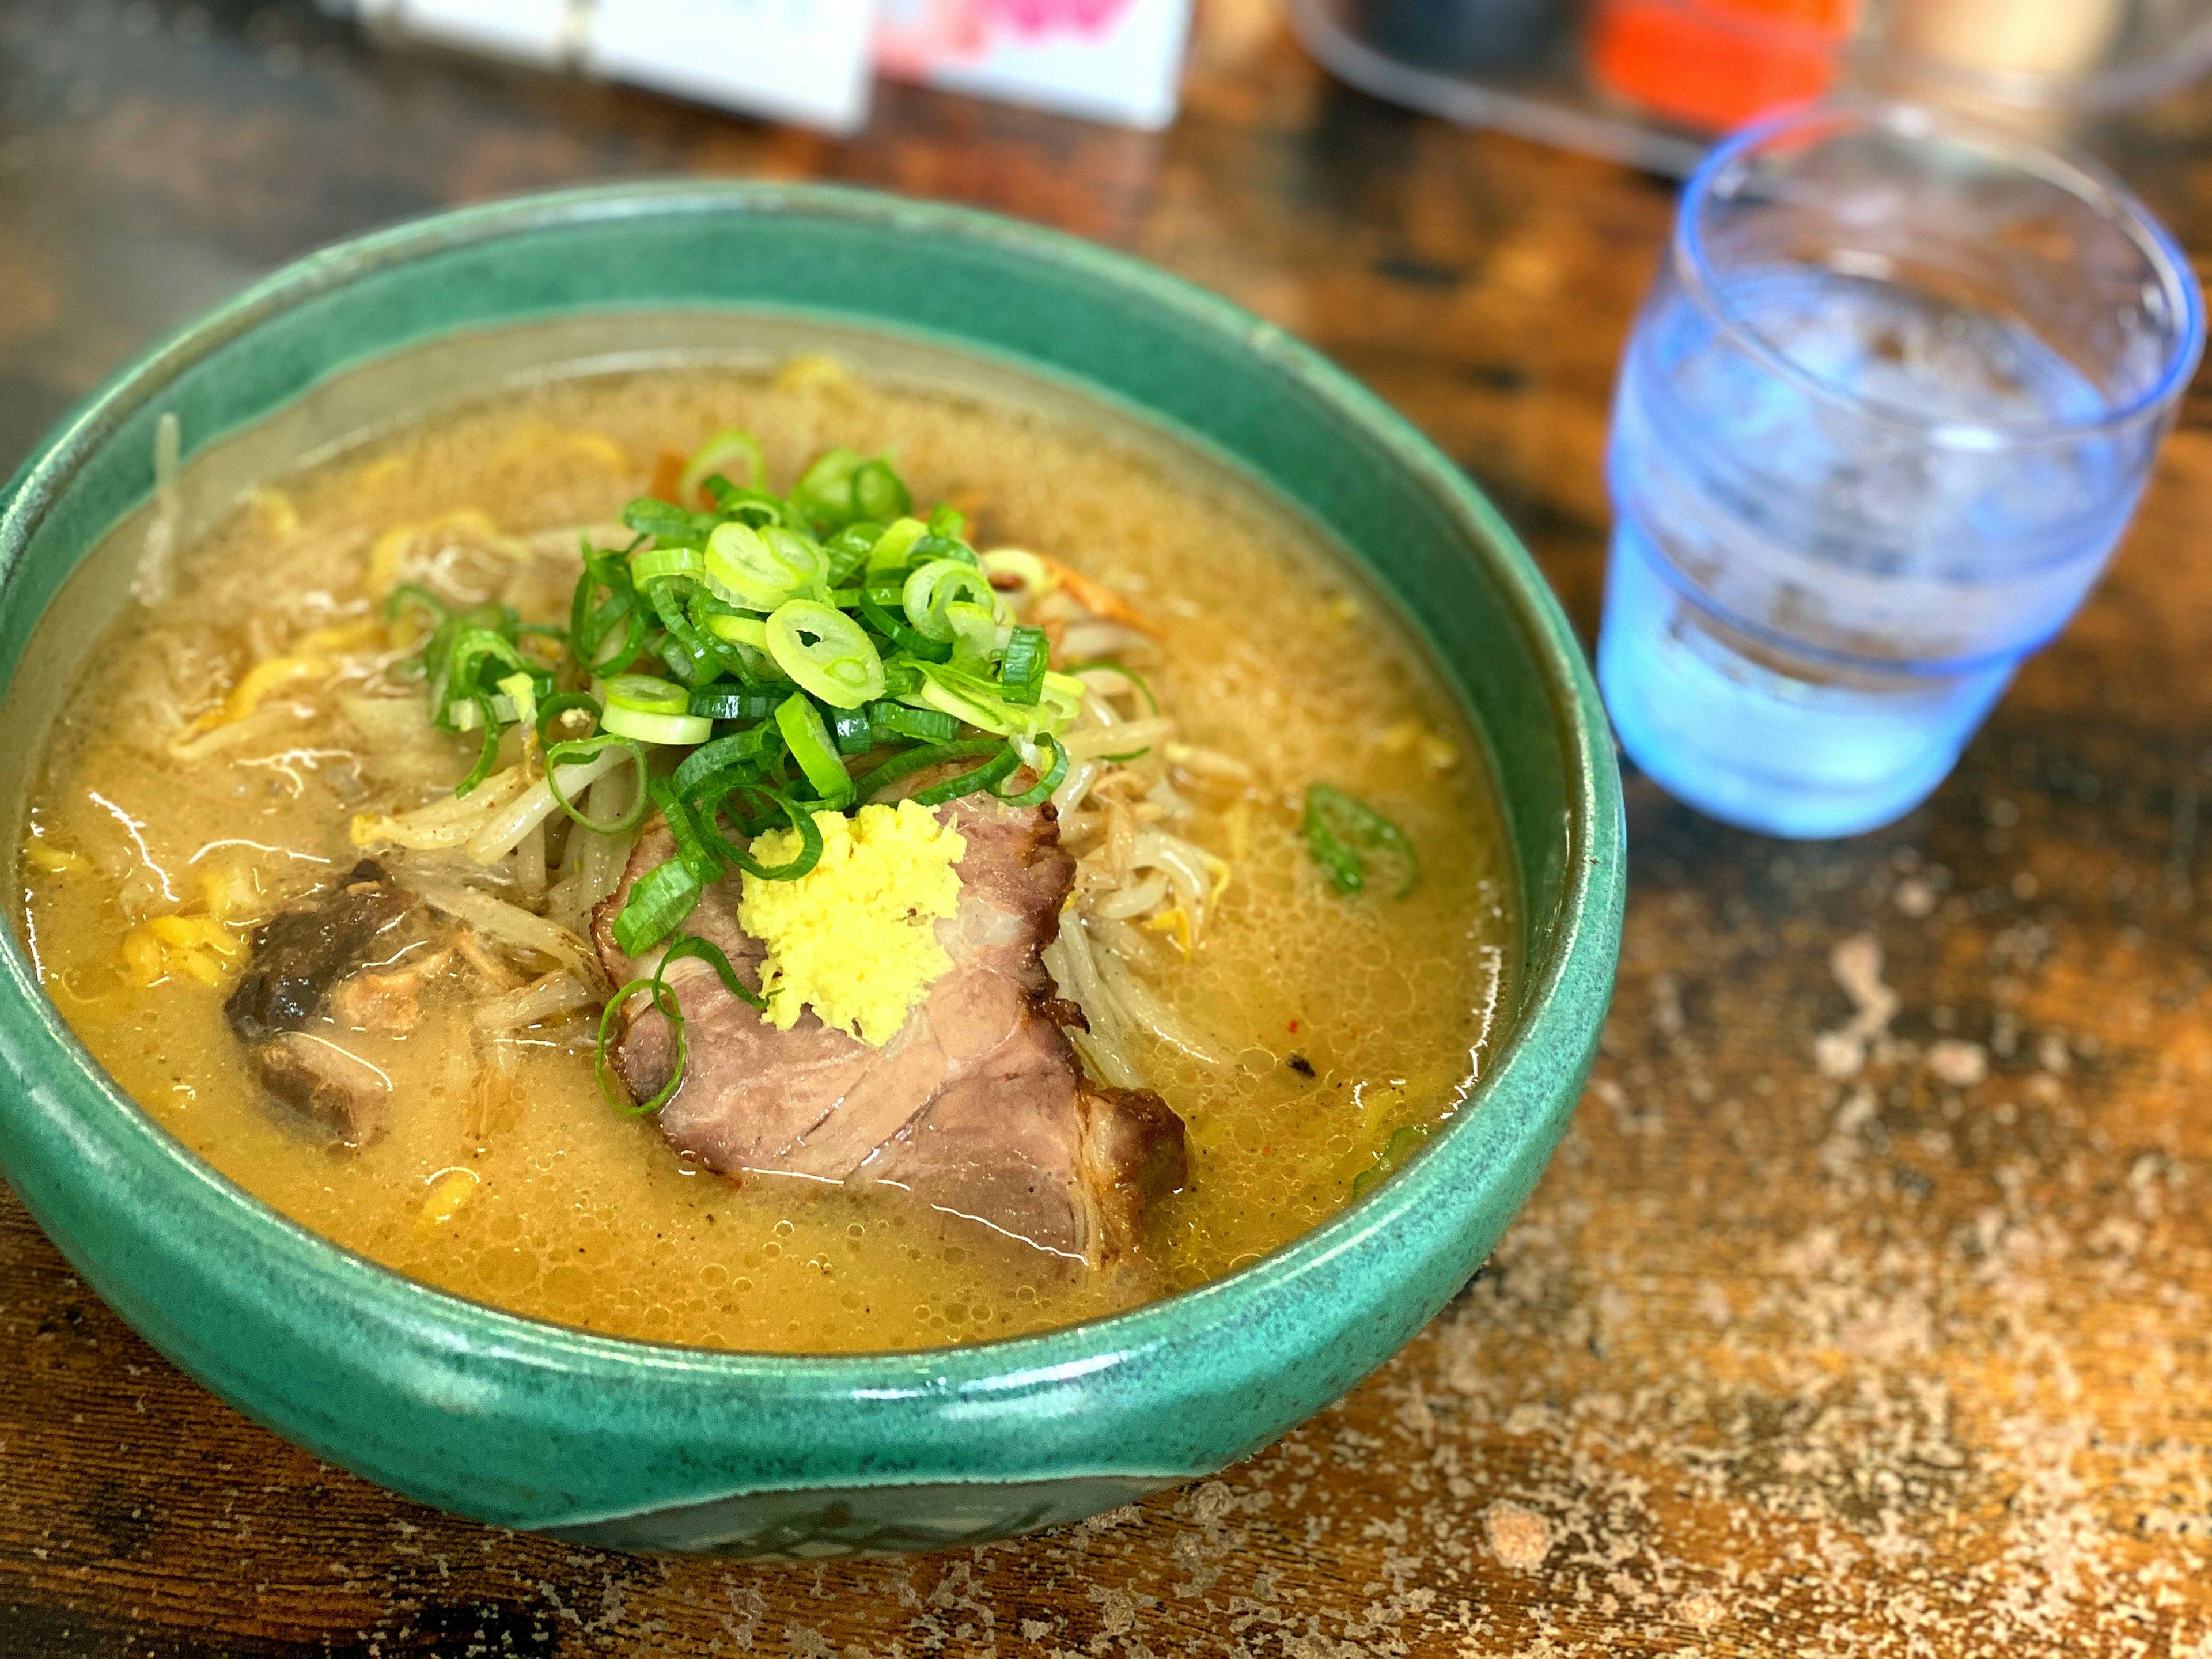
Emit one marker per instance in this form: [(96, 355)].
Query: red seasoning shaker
[(1717, 64)]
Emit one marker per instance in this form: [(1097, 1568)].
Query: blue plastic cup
[(1885, 412)]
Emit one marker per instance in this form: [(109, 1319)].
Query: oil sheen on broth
[(1343, 1027)]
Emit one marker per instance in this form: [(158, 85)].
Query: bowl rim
[(1557, 992)]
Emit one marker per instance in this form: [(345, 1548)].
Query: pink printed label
[(915, 36), (1115, 60), (1036, 17)]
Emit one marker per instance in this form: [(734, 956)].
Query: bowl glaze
[(636, 1445)]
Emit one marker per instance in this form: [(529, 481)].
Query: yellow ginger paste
[(855, 937)]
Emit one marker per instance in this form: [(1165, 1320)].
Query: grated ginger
[(854, 938)]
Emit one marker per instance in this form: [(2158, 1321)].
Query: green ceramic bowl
[(632, 1444)]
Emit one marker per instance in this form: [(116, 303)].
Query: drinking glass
[(1888, 408)]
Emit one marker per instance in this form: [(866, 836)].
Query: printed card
[(528, 31), (798, 60), (1111, 60)]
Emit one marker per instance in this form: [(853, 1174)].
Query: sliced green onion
[(488, 755), (740, 631), (852, 731), (583, 748), (690, 667), (843, 487), (649, 727), (970, 698), (891, 548), (1021, 566), (679, 602), (716, 456), (691, 847), (878, 599), (464, 663), (657, 902), (663, 999), (748, 663), (986, 776), (847, 552), (756, 506), (706, 951), (734, 702), (593, 641), (803, 730), (415, 594), (550, 709), (748, 637), (1338, 826), (738, 749), (646, 695), (929, 588), (893, 721), (920, 760), (800, 818), (522, 698), (760, 570), (467, 717), (825, 651), (1047, 781), (975, 635), (658, 563), (669, 525), (1021, 672)]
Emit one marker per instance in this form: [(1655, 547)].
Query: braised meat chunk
[(977, 1107), (304, 956), (331, 1088), (301, 953)]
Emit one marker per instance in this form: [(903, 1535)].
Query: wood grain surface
[(1864, 1310)]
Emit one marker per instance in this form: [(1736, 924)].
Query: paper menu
[(1110, 60)]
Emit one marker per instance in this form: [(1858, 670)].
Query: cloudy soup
[(774, 861)]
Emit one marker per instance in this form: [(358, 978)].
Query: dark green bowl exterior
[(526, 1425)]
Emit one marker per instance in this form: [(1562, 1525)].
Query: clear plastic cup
[(1888, 408)]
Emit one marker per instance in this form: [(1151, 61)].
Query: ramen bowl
[(629, 1444)]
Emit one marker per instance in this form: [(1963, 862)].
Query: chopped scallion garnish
[(743, 651), (1339, 828)]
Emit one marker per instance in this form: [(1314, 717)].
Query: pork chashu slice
[(977, 1107)]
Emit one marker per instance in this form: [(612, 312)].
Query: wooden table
[(1893, 1348)]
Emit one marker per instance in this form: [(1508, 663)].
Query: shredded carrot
[(1100, 600), (668, 478), (971, 505)]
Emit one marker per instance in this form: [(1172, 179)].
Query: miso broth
[(1339, 1028)]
